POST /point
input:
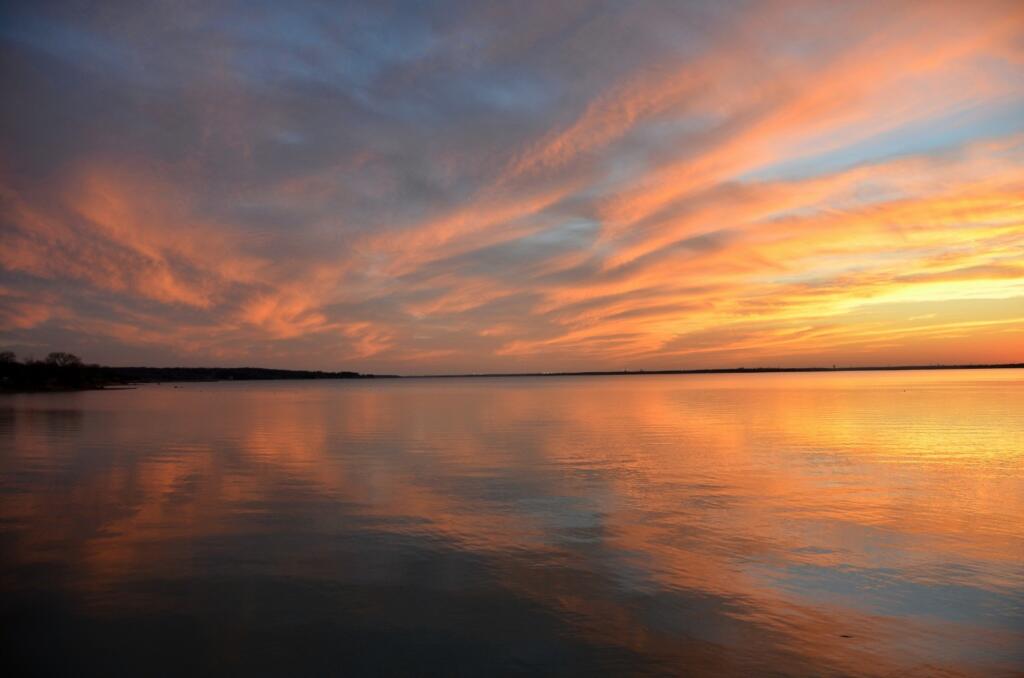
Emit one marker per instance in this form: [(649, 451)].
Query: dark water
[(820, 524)]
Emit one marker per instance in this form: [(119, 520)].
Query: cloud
[(461, 187)]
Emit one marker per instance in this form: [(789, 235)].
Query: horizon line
[(717, 370), (630, 372)]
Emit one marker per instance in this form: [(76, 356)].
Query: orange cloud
[(748, 187)]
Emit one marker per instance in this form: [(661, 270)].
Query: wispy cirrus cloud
[(458, 186)]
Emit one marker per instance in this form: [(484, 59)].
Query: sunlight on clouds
[(653, 187)]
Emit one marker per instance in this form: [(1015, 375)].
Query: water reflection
[(795, 524)]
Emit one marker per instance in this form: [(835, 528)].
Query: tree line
[(61, 371), (58, 371)]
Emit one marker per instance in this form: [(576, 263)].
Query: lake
[(772, 524)]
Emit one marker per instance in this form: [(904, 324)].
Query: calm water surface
[(815, 524)]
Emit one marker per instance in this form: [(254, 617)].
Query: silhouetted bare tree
[(61, 359)]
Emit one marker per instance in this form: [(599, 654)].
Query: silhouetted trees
[(61, 371), (61, 359)]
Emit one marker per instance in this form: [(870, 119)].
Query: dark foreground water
[(818, 524)]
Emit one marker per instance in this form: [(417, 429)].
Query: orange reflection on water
[(852, 523)]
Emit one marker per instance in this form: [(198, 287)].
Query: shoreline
[(303, 376), (721, 370)]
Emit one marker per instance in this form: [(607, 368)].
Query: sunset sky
[(444, 186)]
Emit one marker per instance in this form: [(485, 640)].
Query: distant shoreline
[(50, 376), (118, 378), (719, 370)]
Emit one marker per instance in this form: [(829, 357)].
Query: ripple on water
[(851, 524)]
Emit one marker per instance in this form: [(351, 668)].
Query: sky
[(424, 187)]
